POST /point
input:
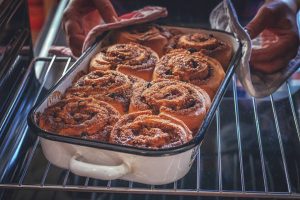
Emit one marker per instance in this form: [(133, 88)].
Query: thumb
[(263, 19), (91, 36), (106, 10)]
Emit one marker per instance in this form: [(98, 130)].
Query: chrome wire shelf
[(251, 150)]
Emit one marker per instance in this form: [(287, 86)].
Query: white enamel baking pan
[(106, 161)]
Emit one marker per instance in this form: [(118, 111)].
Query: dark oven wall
[(15, 49), (15, 76)]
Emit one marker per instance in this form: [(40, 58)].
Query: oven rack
[(192, 184)]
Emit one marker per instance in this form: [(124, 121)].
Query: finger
[(274, 65), (72, 27), (106, 10), (274, 50), (61, 51), (74, 36), (91, 37), (75, 43), (262, 19), (91, 20)]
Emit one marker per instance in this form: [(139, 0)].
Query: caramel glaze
[(207, 44), (82, 117), (149, 35), (109, 86), (195, 68), (143, 129), (131, 59), (181, 100)]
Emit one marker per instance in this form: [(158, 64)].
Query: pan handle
[(103, 172)]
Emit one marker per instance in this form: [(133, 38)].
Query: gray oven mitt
[(257, 84)]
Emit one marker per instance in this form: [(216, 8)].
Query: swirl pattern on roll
[(207, 44), (109, 86), (194, 68), (178, 99), (150, 35), (81, 117), (145, 130), (131, 59)]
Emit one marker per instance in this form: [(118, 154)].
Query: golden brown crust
[(81, 117), (194, 68), (142, 129), (180, 100), (207, 44), (149, 35), (110, 86), (131, 59), (162, 113)]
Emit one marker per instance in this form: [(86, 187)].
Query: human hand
[(276, 22), (143, 15), (81, 16)]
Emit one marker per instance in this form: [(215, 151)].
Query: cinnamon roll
[(110, 86), (142, 129), (181, 100), (195, 68), (150, 35), (130, 59), (205, 43), (81, 117)]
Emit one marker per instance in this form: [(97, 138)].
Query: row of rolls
[(151, 89)]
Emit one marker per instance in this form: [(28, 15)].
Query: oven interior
[(251, 149)]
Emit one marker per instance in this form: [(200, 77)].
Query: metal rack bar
[(219, 150), (293, 110), (281, 146), (10, 148), (198, 169), (66, 178), (248, 194), (45, 173), (51, 32), (175, 185), (261, 153), (108, 184), (50, 58), (66, 68), (130, 184), (177, 188), (16, 96), (238, 132), (29, 161), (44, 78), (86, 183)]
